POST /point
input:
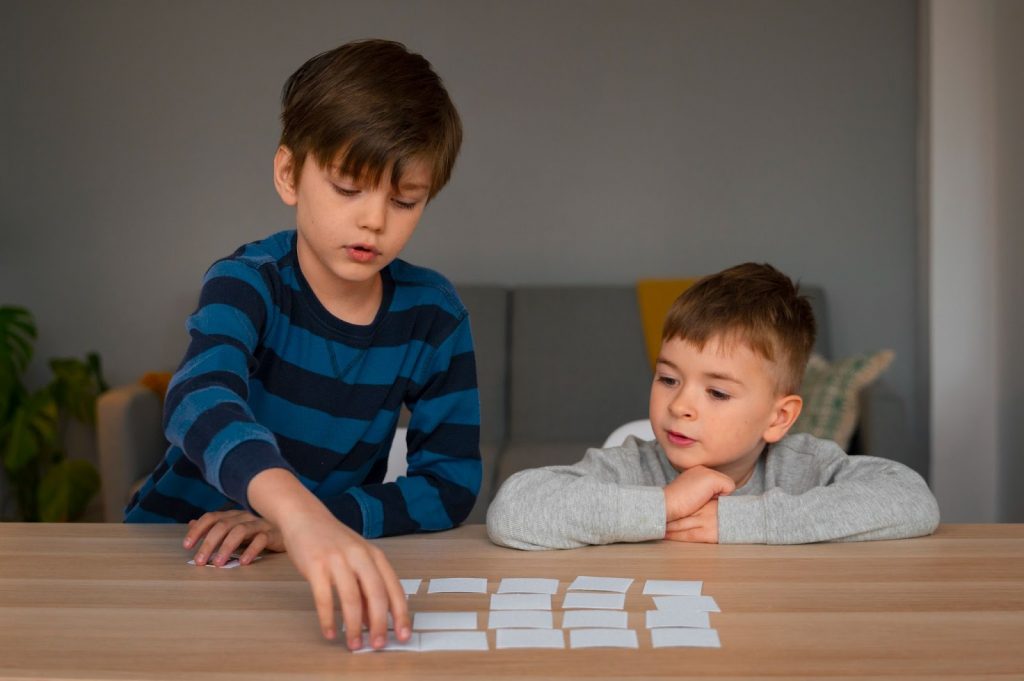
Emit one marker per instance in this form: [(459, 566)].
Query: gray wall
[(605, 141)]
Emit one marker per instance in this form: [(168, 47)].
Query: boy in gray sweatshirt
[(722, 468)]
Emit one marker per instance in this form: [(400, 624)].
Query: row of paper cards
[(532, 585), (429, 641), (521, 613)]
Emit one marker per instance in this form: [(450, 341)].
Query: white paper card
[(617, 584), (691, 638), (520, 619), (603, 638), (598, 601), (412, 645), (678, 618), (233, 563), (527, 585), (520, 602), (453, 640), (672, 587), (462, 585), (530, 638), (703, 603), (444, 620), (595, 619), (410, 586)]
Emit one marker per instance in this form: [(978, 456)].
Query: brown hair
[(752, 303), (374, 104)]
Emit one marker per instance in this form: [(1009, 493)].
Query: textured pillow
[(830, 392)]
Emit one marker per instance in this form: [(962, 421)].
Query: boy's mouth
[(361, 252), (679, 439)]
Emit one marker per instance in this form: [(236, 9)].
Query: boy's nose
[(682, 407), (374, 216)]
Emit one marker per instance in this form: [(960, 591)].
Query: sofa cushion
[(831, 393)]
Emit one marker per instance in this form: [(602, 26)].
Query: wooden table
[(93, 601)]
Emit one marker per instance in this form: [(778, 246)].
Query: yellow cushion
[(655, 297), (157, 381)]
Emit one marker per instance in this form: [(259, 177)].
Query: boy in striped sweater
[(305, 346)]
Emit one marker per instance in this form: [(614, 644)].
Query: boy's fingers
[(214, 537), (197, 528), (232, 541), (375, 598), (256, 546), (351, 600), (396, 597), (323, 599)]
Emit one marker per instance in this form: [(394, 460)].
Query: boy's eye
[(405, 205), (344, 191), (666, 381), (717, 394)]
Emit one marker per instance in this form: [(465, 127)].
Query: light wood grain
[(81, 601)]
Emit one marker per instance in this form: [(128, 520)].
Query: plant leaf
[(33, 430), (17, 335), (66, 490), (75, 388)]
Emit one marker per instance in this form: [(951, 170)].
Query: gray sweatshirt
[(802, 490)]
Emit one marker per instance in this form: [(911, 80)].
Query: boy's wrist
[(279, 497)]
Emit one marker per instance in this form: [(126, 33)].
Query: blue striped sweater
[(272, 380)]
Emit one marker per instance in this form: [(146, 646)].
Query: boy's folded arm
[(206, 412), (600, 500), (854, 498)]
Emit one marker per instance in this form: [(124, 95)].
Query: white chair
[(640, 428), (397, 463)]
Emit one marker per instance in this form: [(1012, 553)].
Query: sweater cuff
[(742, 520), (243, 463), (641, 514)]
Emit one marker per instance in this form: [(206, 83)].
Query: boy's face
[(348, 231), (717, 407)]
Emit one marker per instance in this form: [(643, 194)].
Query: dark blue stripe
[(174, 509), (457, 500), (459, 375), (347, 510), (238, 294), (450, 439), (316, 463), (397, 519), (325, 393), (207, 425), (200, 343)]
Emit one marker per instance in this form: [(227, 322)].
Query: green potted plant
[(48, 486)]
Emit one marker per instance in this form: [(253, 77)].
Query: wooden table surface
[(95, 601)]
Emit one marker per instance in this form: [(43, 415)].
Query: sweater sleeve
[(206, 413), (605, 498), (832, 497), (444, 468)]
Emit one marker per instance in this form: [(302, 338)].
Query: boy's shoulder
[(274, 252), (805, 445), (418, 286)]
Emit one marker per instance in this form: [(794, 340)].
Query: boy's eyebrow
[(413, 186), (710, 374)]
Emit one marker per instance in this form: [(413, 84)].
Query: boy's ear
[(787, 409), (284, 176)]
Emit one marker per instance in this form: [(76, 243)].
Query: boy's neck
[(354, 302)]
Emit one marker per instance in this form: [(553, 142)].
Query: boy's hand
[(334, 558), (702, 526), (222, 532), (692, 489)]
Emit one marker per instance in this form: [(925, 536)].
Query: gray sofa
[(559, 368)]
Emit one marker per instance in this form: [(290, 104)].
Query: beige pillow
[(830, 392)]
